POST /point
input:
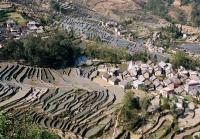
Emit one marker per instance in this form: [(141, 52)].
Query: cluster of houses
[(119, 30), (18, 31), (154, 77)]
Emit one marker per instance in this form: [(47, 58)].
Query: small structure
[(179, 107), (166, 91), (113, 71), (121, 32), (156, 83), (153, 78), (138, 84), (113, 80), (102, 68), (179, 90), (111, 24), (106, 76), (124, 84), (10, 23), (162, 64), (141, 78), (167, 82), (146, 75), (175, 81), (33, 26), (158, 73), (192, 85)]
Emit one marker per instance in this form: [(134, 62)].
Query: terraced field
[(55, 102)]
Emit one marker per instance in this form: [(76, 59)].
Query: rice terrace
[(99, 69)]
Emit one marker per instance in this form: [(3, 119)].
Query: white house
[(113, 71), (102, 68), (10, 23), (105, 77), (113, 80), (131, 66), (138, 84), (141, 78), (153, 78), (123, 84), (162, 64), (158, 73), (111, 24), (192, 86), (166, 91), (32, 25), (167, 82)]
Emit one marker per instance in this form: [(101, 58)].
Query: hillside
[(143, 16)]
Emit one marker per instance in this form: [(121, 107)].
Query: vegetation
[(111, 54), (12, 14), (159, 7), (169, 35), (195, 13), (162, 131), (17, 18), (60, 50), (173, 31), (133, 111), (56, 51), (4, 14), (44, 21), (185, 1), (54, 5), (181, 59), (164, 103), (12, 127)]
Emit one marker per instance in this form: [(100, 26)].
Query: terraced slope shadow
[(26, 74), (85, 113)]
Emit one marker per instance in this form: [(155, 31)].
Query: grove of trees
[(161, 8), (195, 13), (181, 59), (61, 50), (21, 127), (133, 111), (111, 54), (56, 51)]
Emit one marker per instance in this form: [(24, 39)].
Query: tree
[(21, 127), (159, 7), (133, 111), (54, 5), (55, 52), (180, 59), (195, 15)]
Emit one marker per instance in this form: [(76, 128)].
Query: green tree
[(56, 51), (133, 111), (181, 59), (54, 5), (21, 127), (195, 13), (159, 7)]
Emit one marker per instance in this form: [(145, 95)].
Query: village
[(81, 101), (154, 78)]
